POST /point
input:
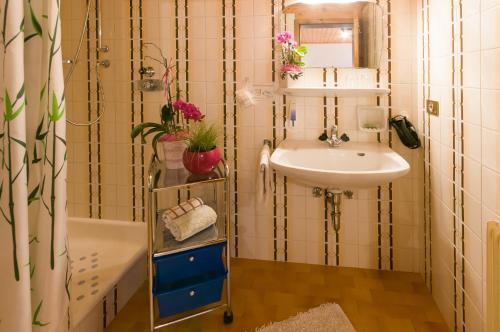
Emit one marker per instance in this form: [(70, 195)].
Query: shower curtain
[(34, 268)]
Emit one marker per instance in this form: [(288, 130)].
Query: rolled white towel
[(192, 222), (264, 183), (181, 209)]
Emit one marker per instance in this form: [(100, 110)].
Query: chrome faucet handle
[(323, 137), (344, 137)]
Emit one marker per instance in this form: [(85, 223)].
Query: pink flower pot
[(201, 162)]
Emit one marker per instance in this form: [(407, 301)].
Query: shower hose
[(73, 62)]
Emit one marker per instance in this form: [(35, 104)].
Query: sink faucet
[(333, 140)]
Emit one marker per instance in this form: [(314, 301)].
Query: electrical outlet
[(263, 91), (432, 107)]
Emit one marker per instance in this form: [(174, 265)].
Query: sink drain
[(361, 154)]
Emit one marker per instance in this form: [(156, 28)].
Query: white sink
[(350, 165)]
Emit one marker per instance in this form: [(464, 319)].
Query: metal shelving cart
[(193, 270)]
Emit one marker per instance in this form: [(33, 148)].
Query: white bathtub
[(108, 263)]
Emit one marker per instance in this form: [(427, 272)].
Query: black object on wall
[(406, 131)]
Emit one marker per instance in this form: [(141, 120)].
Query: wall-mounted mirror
[(342, 35)]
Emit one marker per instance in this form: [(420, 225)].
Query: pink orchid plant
[(291, 56), (175, 115)]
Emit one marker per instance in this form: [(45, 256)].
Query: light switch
[(432, 107)]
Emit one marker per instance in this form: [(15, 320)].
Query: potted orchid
[(173, 129), (291, 56)]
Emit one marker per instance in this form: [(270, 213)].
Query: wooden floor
[(270, 291)]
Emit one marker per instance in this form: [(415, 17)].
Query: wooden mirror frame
[(304, 13)]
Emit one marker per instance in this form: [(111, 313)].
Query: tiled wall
[(459, 66), (106, 169), (229, 41)]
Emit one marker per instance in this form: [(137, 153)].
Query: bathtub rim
[(76, 319)]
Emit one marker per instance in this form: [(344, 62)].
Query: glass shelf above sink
[(334, 92)]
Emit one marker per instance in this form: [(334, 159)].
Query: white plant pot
[(290, 83), (283, 83), (172, 154)]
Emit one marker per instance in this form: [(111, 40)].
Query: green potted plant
[(172, 130), (202, 154)]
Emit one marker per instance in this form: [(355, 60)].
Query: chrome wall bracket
[(317, 192), (348, 194)]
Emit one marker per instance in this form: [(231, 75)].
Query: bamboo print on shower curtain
[(35, 274)]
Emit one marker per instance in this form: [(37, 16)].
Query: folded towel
[(181, 209), (170, 243), (264, 183), (192, 222)]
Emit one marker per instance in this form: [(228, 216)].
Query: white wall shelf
[(334, 92)]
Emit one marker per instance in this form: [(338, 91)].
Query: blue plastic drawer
[(201, 262), (171, 302)]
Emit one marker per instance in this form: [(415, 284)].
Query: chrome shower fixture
[(104, 63), (147, 71), (100, 47), (149, 85), (103, 49)]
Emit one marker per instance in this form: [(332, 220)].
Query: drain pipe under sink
[(335, 198)]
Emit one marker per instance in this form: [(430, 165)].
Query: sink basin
[(350, 165)]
